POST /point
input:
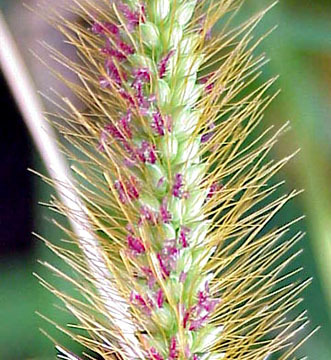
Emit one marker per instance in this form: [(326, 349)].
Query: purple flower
[(198, 314), (120, 52), (140, 97), (119, 55), (124, 123), (132, 188), (186, 318), (104, 82), (198, 323), (147, 214), (130, 228), (168, 257), (206, 80), (138, 300), (114, 73), (214, 188), (178, 184), (160, 123), (173, 353), (146, 153), (154, 354), (121, 191), (126, 48), (135, 244), (128, 190), (177, 188), (163, 266), (141, 75), (114, 131), (160, 298), (205, 303), (165, 214), (187, 351), (120, 132), (104, 28), (183, 236), (162, 66), (126, 96), (143, 103), (206, 137), (133, 17)]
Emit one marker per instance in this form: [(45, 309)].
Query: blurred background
[(300, 51)]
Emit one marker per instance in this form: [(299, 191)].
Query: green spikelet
[(174, 262)]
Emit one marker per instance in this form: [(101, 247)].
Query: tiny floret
[(135, 244)]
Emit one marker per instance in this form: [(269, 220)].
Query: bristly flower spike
[(174, 184)]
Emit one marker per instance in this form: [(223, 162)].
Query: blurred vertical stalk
[(45, 139)]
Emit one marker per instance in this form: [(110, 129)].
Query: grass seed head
[(175, 187)]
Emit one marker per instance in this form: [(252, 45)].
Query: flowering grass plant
[(172, 258)]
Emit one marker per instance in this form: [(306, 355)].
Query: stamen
[(173, 353), (124, 122), (177, 188), (198, 314), (197, 324), (126, 48), (135, 244), (133, 17), (159, 123), (104, 28), (154, 354), (214, 188), (163, 267), (142, 74), (186, 318), (138, 300), (206, 137), (164, 63), (125, 95), (127, 191), (120, 52), (183, 236), (148, 215), (210, 84), (114, 73), (119, 55), (160, 298), (165, 214), (146, 153)]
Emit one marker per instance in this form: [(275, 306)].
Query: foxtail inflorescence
[(172, 186)]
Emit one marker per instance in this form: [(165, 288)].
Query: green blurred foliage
[(300, 51)]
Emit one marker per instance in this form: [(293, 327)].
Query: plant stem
[(44, 137)]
